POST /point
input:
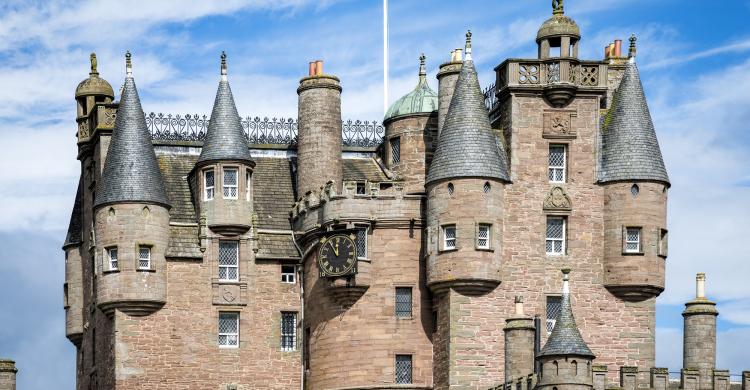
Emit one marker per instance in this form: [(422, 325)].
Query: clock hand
[(335, 248)]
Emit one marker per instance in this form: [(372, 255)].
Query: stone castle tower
[(425, 253)]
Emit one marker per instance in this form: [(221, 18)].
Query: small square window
[(229, 260), (555, 243), (449, 237), (483, 236), (554, 306), (403, 369), (229, 330), (633, 240), (112, 258), (361, 189), (288, 274), (361, 242), (557, 162), (208, 184), (230, 183), (395, 150), (144, 257), (288, 331), (403, 302)]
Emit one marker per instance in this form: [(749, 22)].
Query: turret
[(89, 92), (410, 128), (699, 336), (447, 76), (73, 287), (465, 194), (635, 194), (131, 215), (8, 372), (519, 343), (319, 131), (559, 35), (565, 358), (222, 176)]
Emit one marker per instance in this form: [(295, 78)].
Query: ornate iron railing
[(277, 131), (490, 100)]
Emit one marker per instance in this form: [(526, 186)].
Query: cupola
[(93, 89), (422, 99), (559, 35)]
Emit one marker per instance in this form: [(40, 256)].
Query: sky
[(693, 57)]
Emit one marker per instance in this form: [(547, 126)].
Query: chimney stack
[(699, 338), (519, 343), (8, 372)]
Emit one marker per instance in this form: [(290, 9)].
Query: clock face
[(337, 256)]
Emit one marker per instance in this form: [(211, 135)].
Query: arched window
[(635, 190), (450, 188)]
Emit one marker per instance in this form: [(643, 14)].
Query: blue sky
[(694, 58)]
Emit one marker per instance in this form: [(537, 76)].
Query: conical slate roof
[(225, 138), (74, 227), (131, 173), (630, 150), (421, 100), (565, 338), (467, 145)]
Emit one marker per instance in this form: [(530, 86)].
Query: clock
[(337, 256)]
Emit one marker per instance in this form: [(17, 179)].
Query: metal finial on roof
[(92, 58), (128, 64), (557, 7), (223, 66), (422, 67), (468, 46), (632, 50)]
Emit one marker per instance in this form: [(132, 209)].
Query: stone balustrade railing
[(540, 73)]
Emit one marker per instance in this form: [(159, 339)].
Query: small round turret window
[(634, 190), (487, 187)]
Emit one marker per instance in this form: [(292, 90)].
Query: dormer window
[(208, 184), (229, 183), (361, 189)]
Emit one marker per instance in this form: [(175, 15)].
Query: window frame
[(228, 335), (403, 314), (358, 185), (563, 240), (364, 230), (289, 277), (547, 320), (138, 265), (209, 192), (235, 186), (563, 168), (228, 267), (410, 360), (444, 237), (395, 157), (110, 261), (284, 344), (488, 245), (626, 241)]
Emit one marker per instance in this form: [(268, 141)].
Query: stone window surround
[(442, 239), (206, 195), (395, 145), (108, 251), (395, 356), (663, 243), (368, 232), (239, 328), (625, 251), (490, 247), (242, 184), (414, 303), (138, 247), (239, 260), (566, 160), (289, 277), (565, 233), (224, 170), (295, 331)]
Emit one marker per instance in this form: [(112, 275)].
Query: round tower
[(465, 185), (519, 343), (635, 195), (223, 171), (699, 336), (447, 76), (89, 92), (8, 372), (131, 215), (565, 358), (73, 287), (410, 125), (319, 131)]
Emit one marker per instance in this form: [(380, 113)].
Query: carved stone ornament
[(557, 199), (83, 130), (559, 124)]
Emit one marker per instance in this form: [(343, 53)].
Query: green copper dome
[(421, 100)]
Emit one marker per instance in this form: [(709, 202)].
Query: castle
[(421, 254)]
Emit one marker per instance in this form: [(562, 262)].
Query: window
[(403, 369), (634, 190), (555, 244), (483, 236), (248, 177), (228, 260), (633, 240), (450, 188), (449, 237), (288, 274), (144, 257), (557, 163), (288, 331), (361, 243), (208, 184), (229, 330), (395, 150), (361, 188), (663, 245), (403, 302), (230, 183), (487, 187), (112, 257), (554, 305)]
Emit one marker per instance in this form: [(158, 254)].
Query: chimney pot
[(311, 70), (606, 52), (618, 48), (700, 285), (319, 67)]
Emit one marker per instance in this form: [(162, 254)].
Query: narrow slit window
[(288, 331), (229, 330), (555, 243), (288, 274), (144, 257), (557, 159), (403, 302), (230, 183), (403, 369), (248, 180), (208, 184), (633, 240), (112, 258), (449, 237), (396, 150), (229, 260), (554, 305), (361, 242), (483, 236)]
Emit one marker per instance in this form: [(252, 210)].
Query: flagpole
[(385, 56)]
